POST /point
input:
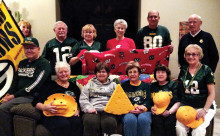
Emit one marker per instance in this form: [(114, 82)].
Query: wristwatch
[(206, 110)]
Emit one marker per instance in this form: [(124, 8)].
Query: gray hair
[(197, 48), (196, 16), (62, 64), (121, 21), (59, 22)]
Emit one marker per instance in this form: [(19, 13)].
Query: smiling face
[(133, 75), (63, 74), (153, 19), (120, 30), (161, 76), (61, 30), (194, 24), (25, 30), (88, 35), (31, 52), (192, 56), (102, 75)]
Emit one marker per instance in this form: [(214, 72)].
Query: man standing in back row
[(58, 48), (153, 35), (201, 38)]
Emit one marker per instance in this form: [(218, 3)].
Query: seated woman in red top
[(120, 26)]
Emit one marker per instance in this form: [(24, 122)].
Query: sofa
[(26, 117)]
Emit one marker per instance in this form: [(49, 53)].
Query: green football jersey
[(195, 90)]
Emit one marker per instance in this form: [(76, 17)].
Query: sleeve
[(210, 76), (45, 52), (138, 40), (84, 99), (148, 101), (42, 74), (132, 44), (213, 53), (174, 89), (168, 39), (108, 45), (75, 50)]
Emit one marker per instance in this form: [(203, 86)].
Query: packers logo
[(6, 75)]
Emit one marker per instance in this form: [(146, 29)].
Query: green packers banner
[(11, 50)]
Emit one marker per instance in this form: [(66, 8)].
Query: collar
[(195, 34), (136, 84)]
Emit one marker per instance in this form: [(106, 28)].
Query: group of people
[(198, 58)]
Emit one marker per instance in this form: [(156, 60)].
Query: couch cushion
[(26, 110)]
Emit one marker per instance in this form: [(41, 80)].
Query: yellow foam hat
[(161, 101), (65, 105), (187, 116), (119, 103)]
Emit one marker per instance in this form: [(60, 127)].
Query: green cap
[(30, 41)]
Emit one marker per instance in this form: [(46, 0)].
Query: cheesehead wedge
[(119, 103)]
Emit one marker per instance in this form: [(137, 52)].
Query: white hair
[(121, 21), (62, 64), (196, 16), (58, 22)]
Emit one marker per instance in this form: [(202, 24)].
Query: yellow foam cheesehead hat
[(65, 104), (161, 101), (119, 103), (187, 116)]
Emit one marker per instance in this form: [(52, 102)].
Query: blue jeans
[(137, 125)]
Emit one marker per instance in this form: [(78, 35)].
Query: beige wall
[(42, 14), (174, 11)]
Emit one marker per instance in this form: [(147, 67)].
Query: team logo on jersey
[(28, 72), (152, 33), (201, 40)]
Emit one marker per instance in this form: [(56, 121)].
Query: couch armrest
[(26, 110)]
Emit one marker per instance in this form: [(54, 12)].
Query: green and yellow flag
[(11, 50)]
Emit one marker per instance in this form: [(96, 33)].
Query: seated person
[(88, 43), (30, 77), (120, 26), (198, 90), (93, 99), (25, 27), (138, 121), (59, 125), (164, 121)]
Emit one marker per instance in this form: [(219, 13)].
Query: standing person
[(93, 99), (25, 27), (58, 49), (164, 121), (153, 35), (88, 43), (138, 121), (198, 90), (201, 38), (120, 26), (59, 125), (30, 77)]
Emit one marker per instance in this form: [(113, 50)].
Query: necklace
[(65, 85), (190, 83)]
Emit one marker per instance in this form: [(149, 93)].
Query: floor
[(217, 124)]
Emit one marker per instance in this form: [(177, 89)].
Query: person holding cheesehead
[(198, 90), (93, 99), (120, 26), (25, 27), (166, 102), (138, 121), (59, 123), (30, 78)]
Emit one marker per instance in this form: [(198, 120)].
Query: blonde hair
[(89, 27), (26, 23), (197, 48)]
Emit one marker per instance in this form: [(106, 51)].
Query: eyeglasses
[(189, 54)]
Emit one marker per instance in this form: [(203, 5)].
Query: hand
[(7, 98), (166, 113), (170, 48), (50, 108), (200, 114), (92, 111), (153, 110), (136, 111), (77, 113)]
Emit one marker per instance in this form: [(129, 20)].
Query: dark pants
[(63, 126), (94, 123), (163, 126)]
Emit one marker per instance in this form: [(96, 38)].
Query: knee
[(130, 119), (145, 118)]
